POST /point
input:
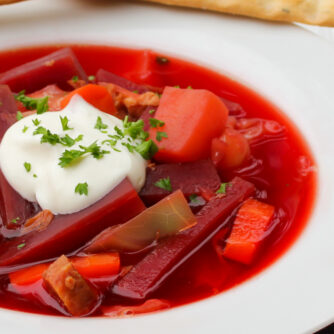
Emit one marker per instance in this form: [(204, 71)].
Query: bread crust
[(315, 12)]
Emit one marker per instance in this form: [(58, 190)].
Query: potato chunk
[(64, 281)]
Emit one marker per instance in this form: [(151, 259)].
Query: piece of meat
[(64, 281)]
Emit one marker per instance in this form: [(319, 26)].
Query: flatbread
[(316, 12)]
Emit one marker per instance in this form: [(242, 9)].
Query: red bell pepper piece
[(154, 268), (248, 231)]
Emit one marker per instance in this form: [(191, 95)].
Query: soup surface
[(279, 165)]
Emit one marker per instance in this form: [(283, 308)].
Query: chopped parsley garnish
[(147, 149), (81, 189), (193, 198), (47, 136), (155, 123), (135, 91), (19, 115), (222, 188), (99, 124), (133, 129), (36, 122), (91, 78), (75, 78), (151, 112), (25, 129), (129, 147), (189, 87), (71, 156), (14, 220), (27, 166), (164, 184), (162, 60), (34, 175), (64, 123), (160, 135), (177, 86), (41, 105), (20, 246)]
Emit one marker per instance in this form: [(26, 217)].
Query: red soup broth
[(281, 168)]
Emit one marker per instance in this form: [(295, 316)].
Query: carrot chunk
[(96, 95), (248, 231), (92, 266), (64, 281), (192, 118)]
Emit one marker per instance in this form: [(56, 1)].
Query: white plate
[(292, 68)]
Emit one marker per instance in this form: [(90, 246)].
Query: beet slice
[(106, 76), (154, 268), (55, 68), (67, 233), (8, 109), (190, 177), (234, 108)]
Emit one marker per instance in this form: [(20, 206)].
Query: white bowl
[(290, 67)]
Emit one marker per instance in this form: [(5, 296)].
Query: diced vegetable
[(105, 76), (29, 275), (234, 109), (191, 177), (97, 265), (92, 266), (75, 294), (151, 305), (8, 109), (192, 118), (54, 95), (170, 253), (248, 231), (13, 207), (231, 150), (55, 68), (96, 95), (67, 233), (166, 218)]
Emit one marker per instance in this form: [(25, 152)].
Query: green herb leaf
[(99, 124), (75, 78), (47, 136), (129, 147), (222, 188), (64, 123), (41, 105), (147, 149), (20, 246), (94, 150), (164, 184), (14, 220), (69, 157), (25, 129), (135, 91), (34, 175), (36, 122), (67, 141), (91, 78), (161, 135), (193, 198), (19, 115), (151, 112), (27, 166), (155, 123), (81, 189)]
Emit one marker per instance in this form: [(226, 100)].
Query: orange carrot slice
[(96, 95)]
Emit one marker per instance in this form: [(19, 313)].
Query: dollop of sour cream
[(32, 168)]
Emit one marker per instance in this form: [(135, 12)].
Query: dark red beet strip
[(8, 109), (190, 177), (67, 233), (106, 76), (155, 268), (55, 68)]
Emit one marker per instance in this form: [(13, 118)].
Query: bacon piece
[(65, 282), (38, 222)]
